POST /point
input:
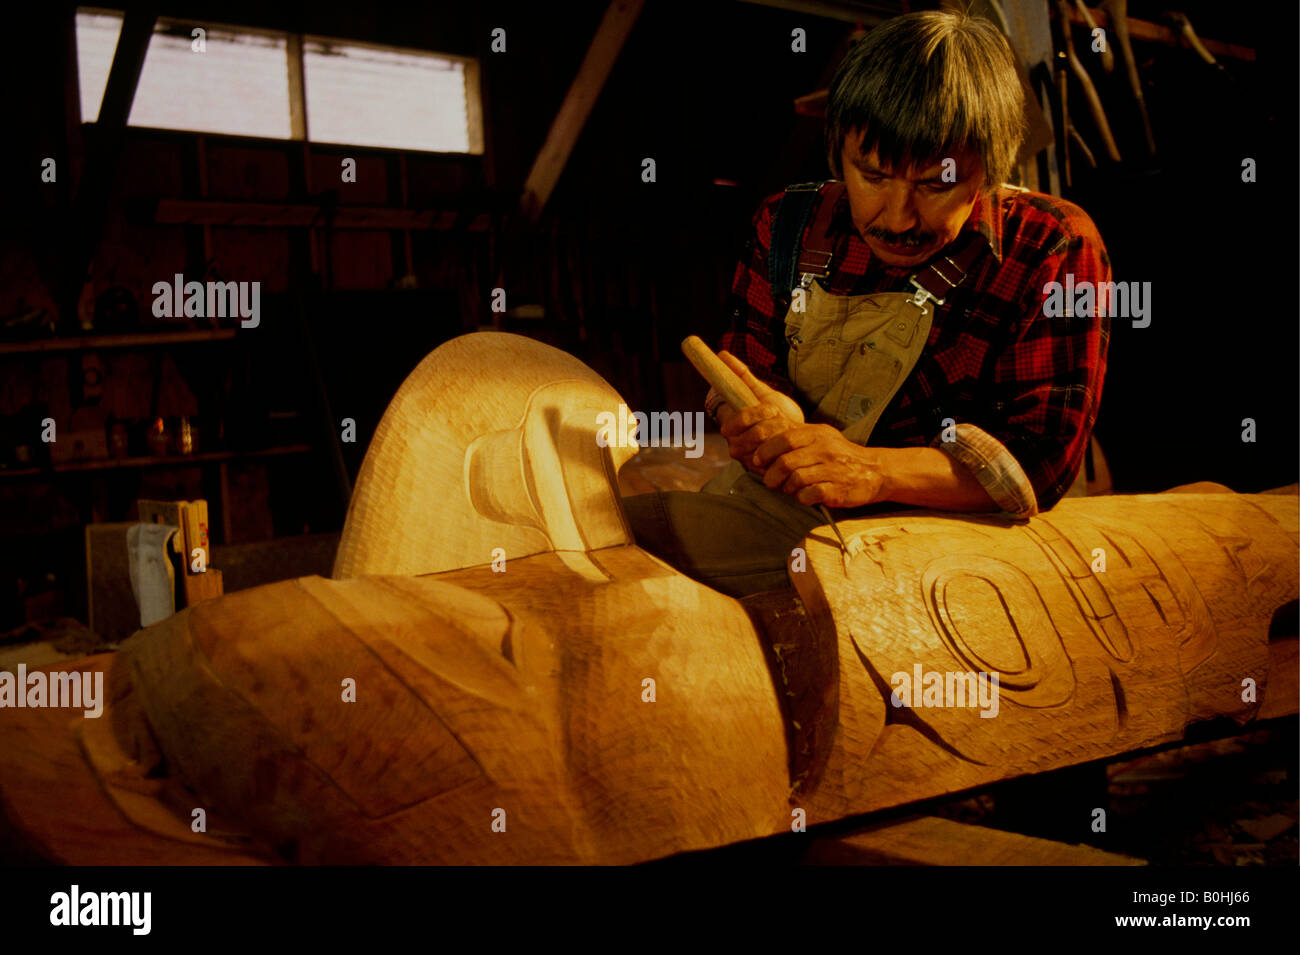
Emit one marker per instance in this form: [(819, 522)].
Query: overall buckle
[(923, 295)]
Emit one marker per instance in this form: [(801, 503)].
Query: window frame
[(299, 119), (473, 89)]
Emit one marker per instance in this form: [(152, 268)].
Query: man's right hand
[(747, 428)]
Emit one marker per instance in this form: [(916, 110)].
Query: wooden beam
[(572, 116), (812, 104), (474, 106), (124, 75), (930, 840), (73, 144), (868, 14), (125, 340), (297, 96), (104, 146), (1168, 36)]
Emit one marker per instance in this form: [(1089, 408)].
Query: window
[(354, 93), (97, 34), (381, 97)]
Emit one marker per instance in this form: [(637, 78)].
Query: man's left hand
[(818, 465)]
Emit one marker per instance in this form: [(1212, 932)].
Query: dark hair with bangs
[(925, 85)]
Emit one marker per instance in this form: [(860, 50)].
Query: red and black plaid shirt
[(992, 358)]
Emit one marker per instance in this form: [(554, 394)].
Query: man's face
[(907, 215)]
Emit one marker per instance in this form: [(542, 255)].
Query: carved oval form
[(1013, 616), (969, 600)]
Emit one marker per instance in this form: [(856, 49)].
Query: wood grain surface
[(1091, 663), (490, 443), (581, 701)]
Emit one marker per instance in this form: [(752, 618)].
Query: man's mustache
[(915, 239)]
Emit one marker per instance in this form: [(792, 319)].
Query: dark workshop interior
[(529, 181)]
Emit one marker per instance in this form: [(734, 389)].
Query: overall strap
[(787, 258), (941, 276)]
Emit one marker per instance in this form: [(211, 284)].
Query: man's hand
[(745, 429), (818, 465)]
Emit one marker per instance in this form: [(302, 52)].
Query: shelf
[(162, 461), (127, 340), (288, 215)]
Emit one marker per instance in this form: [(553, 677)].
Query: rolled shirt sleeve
[(1047, 383), (996, 468)]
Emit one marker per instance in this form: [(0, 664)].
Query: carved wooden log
[(1113, 624), (588, 703)]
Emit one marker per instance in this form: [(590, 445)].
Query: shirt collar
[(985, 219)]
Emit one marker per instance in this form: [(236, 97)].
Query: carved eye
[(990, 616)]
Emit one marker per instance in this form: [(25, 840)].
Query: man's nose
[(899, 214)]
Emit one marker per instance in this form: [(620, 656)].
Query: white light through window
[(398, 99), (96, 43), (239, 85), (354, 93)]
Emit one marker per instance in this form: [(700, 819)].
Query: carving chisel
[(737, 394)]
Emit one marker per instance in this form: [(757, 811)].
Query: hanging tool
[(1085, 81), (737, 394), (1069, 132), (1184, 28), (1083, 147), (1061, 74), (1117, 10)]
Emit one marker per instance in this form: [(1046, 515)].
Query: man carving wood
[(891, 322)]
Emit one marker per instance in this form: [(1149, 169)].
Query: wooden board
[(929, 840), (191, 517), (200, 587), (113, 612)]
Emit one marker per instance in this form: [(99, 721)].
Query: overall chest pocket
[(816, 365), (869, 379), (829, 344)]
